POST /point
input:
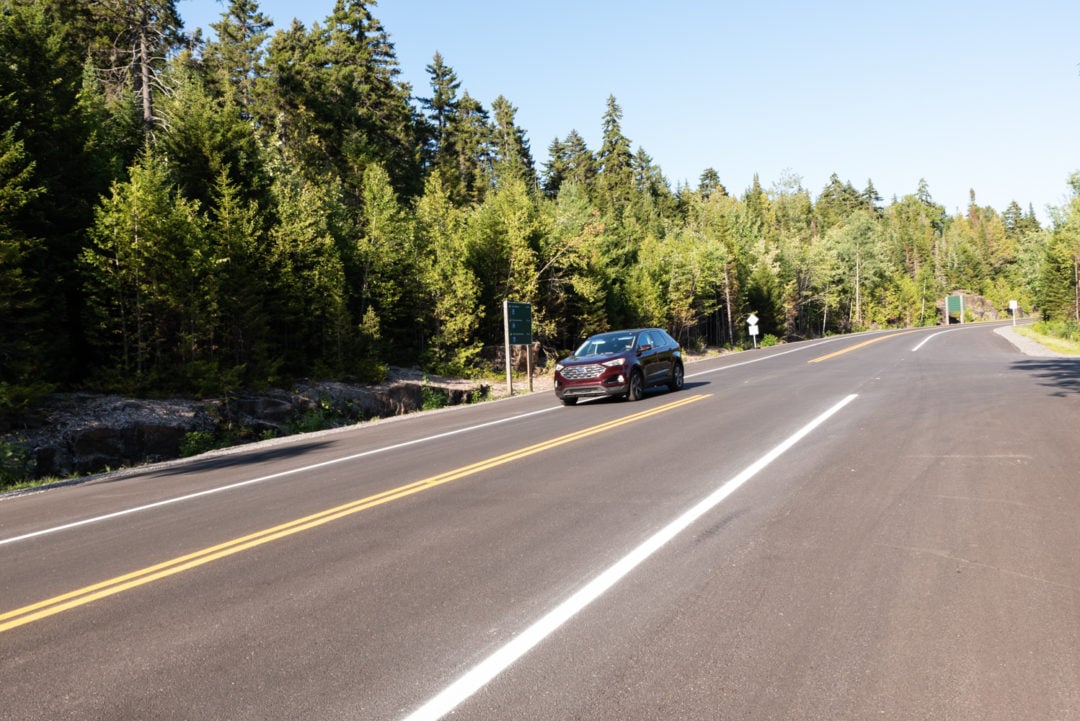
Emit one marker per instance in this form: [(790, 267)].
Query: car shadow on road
[(1062, 374)]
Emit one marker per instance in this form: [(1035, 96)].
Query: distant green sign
[(518, 322), (954, 304)]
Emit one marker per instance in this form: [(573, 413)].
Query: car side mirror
[(644, 348)]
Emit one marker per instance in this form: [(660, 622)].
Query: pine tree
[(144, 33), (615, 161), (204, 137), (43, 100), (149, 269), (22, 323), (385, 268), (313, 331), (709, 183), (240, 274), (337, 104), (234, 59), (447, 280), (474, 138), (512, 156), (870, 197), (442, 111), (555, 169), (836, 202), (569, 160)]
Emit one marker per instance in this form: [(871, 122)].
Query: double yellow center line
[(857, 346), (49, 607)]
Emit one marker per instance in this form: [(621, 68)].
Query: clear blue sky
[(981, 95)]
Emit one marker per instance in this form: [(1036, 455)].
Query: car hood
[(590, 358)]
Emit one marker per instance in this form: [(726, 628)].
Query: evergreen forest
[(184, 213)]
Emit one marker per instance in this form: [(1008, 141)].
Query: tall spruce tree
[(447, 281), (615, 161), (474, 139), (569, 160), (234, 57), (513, 158), (442, 111), (148, 272), (204, 137), (337, 104)]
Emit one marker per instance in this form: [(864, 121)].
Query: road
[(873, 526)]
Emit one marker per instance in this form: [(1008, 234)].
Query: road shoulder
[(1028, 346)]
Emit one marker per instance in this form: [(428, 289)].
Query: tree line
[(190, 214)]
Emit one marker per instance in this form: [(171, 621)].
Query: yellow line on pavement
[(49, 607), (857, 346)]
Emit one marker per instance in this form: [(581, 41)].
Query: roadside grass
[(1044, 335)]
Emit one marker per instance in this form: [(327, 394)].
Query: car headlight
[(614, 363), (559, 367)]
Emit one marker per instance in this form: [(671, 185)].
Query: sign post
[(1013, 305), (751, 320), (517, 327)]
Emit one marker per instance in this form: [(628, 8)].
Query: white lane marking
[(472, 681), (929, 338), (263, 479), (968, 326)]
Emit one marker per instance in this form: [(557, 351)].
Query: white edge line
[(479, 676), (263, 479)]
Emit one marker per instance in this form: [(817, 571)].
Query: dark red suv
[(620, 363)]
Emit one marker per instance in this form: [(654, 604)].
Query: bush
[(16, 465), (1067, 329), (433, 397), (198, 442)]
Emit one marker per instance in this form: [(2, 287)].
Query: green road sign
[(518, 322), (954, 304)]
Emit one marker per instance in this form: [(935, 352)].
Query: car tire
[(569, 401), (678, 378), (636, 389)]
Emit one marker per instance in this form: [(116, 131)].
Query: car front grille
[(580, 373)]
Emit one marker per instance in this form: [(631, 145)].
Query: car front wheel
[(569, 401), (637, 386), (677, 378)]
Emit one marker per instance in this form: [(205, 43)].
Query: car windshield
[(605, 344)]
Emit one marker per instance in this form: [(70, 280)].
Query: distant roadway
[(882, 525)]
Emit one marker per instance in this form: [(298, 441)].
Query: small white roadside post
[(751, 320), (1013, 305)]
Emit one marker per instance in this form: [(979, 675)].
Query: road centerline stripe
[(479, 676), (263, 479), (857, 346), (73, 599)]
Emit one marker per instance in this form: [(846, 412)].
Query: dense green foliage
[(180, 215)]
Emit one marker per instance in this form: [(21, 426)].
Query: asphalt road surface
[(873, 526)]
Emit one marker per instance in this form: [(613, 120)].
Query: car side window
[(645, 339)]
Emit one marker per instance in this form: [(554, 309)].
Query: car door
[(650, 357), (665, 355)]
